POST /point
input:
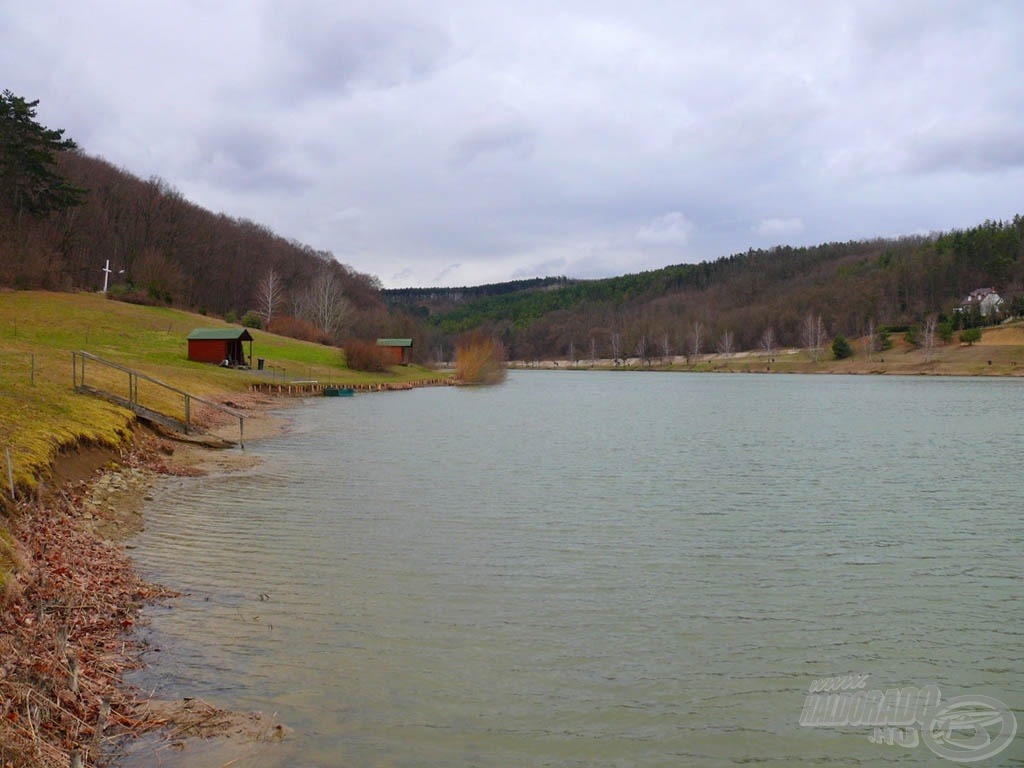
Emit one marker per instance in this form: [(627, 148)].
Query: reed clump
[(480, 359)]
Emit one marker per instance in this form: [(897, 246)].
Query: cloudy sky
[(458, 142)]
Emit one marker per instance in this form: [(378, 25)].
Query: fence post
[(10, 472), (241, 432), (32, 376), (188, 414)]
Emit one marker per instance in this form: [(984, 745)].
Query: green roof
[(222, 334), (394, 342)]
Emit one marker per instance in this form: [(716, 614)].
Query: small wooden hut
[(219, 345), (396, 351)]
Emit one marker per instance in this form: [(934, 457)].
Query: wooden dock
[(316, 388)]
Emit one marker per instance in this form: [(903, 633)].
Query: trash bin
[(259, 363)]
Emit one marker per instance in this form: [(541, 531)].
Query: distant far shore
[(1000, 352)]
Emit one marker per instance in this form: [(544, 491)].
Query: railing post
[(10, 472)]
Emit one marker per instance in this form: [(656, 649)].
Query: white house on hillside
[(986, 299)]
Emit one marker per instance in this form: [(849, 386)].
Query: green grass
[(39, 420)]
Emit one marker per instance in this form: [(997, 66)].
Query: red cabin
[(396, 351), (219, 345)]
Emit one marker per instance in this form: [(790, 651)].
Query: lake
[(600, 569)]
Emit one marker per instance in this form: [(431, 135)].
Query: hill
[(738, 299), (66, 217)]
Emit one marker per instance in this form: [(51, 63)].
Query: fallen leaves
[(63, 648)]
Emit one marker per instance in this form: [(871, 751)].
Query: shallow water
[(600, 569)]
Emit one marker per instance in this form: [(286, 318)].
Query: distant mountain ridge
[(450, 296)]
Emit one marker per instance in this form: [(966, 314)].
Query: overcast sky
[(458, 142)]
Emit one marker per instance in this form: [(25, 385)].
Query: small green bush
[(252, 319), (970, 335), (884, 342), (841, 348)]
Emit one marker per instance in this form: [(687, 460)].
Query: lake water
[(600, 569)]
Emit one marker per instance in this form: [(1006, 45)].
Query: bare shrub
[(363, 355), (479, 359), (294, 328)]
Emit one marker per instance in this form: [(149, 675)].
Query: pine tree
[(841, 348), (28, 179)]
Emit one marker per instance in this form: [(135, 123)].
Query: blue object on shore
[(338, 392)]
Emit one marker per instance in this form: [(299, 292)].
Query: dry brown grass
[(480, 359)]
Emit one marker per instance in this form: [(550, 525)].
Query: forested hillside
[(745, 300), (64, 214)]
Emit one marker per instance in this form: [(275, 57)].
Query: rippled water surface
[(600, 569)]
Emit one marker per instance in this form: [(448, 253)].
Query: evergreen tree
[(841, 348), (28, 179)]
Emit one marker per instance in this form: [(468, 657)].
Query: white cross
[(106, 274)]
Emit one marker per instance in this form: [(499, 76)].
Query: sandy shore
[(65, 628)]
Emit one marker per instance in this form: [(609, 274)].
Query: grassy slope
[(38, 421)]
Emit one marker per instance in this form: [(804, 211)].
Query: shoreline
[(753, 364), (635, 367), (998, 353), (66, 626)]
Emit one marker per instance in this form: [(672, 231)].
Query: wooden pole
[(10, 471), (101, 722), (72, 672)]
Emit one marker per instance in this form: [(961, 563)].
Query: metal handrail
[(133, 390)]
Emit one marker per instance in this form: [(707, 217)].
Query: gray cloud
[(334, 51), (475, 142), (509, 138)]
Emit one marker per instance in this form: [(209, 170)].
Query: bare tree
[(768, 340), (616, 341), (641, 348), (814, 335), (870, 340), (666, 346), (928, 337), (697, 338), (269, 295), (324, 304), (726, 344)]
